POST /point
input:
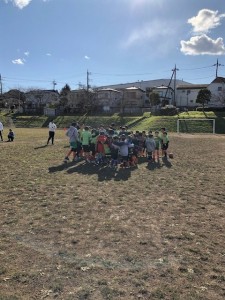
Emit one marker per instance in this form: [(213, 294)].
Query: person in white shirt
[(1, 130), (52, 128)]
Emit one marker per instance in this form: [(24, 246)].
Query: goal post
[(196, 125)]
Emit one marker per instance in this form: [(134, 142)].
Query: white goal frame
[(196, 119)]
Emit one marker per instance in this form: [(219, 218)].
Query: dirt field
[(75, 231)]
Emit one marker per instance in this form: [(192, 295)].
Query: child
[(165, 143), (100, 150), (94, 135), (10, 136), (157, 146), (114, 153), (163, 129), (150, 147), (86, 139), (124, 146), (72, 134)]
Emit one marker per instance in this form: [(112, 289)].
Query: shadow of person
[(61, 167), (39, 147), (166, 162), (123, 174), (153, 165)]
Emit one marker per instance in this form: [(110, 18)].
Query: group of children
[(115, 147)]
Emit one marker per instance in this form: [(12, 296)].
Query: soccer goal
[(195, 125)]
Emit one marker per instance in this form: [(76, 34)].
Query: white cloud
[(150, 31), (48, 54), (205, 20), (203, 45), (27, 53), (87, 57), (19, 3), (19, 61), (136, 5)]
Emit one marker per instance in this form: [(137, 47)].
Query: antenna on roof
[(217, 66)]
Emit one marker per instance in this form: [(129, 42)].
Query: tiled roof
[(192, 86), (219, 80)]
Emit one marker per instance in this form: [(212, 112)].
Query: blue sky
[(117, 41)]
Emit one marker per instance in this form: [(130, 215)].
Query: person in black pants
[(1, 130), (51, 134)]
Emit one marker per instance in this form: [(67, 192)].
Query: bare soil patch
[(76, 231)]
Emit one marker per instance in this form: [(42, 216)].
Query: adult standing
[(52, 128), (1, 130)]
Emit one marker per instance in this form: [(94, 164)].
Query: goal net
[(196, 125)]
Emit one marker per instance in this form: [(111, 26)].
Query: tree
[(154, 99), (65, 90), (204, 96), (64, 96)]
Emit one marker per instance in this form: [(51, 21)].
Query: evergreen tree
[(204, 96)]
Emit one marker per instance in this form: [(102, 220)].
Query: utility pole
[(54, 84), (175, 78), (88, 79), (217, 66), (1, 84)]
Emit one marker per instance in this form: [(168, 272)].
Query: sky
[(46, 44)]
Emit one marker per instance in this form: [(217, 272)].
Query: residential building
[(109, 100), (166, 94), (186, 95), (36, 100), (133, 100), (217, 89)]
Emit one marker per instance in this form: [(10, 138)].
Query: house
[(81, 100), (109, 100), (166, 94), (217, 89), (133, 100), (36, 100), (186, 95)]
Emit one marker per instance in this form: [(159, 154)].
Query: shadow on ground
[(104, 172)]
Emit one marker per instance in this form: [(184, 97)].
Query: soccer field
[(77, 231)]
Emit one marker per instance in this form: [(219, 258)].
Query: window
[(219, 88)]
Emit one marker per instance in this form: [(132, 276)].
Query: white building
[(217, 89), (186, 95), (166, 94)]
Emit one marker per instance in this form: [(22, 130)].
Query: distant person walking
[(52, 128), (11, 136), (1, 130)]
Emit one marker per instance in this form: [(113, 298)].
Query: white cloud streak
[(19, 61), (86, 57), (140, 5), (203, 45), (205, 20), (151, 31), (27, 53)]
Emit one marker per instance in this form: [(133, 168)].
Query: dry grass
[(76, 231)]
